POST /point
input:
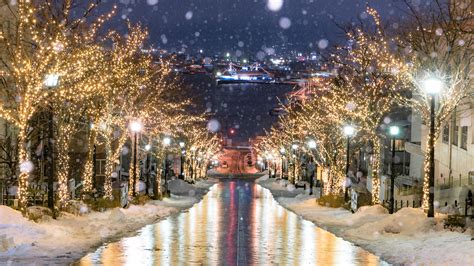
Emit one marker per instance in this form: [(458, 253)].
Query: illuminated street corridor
[(237, 223)]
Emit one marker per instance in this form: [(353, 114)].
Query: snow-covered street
[(69, 237), (407, 237)]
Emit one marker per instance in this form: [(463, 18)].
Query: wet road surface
[(237, 223)]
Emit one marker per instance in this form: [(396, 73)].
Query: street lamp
[(269, 160), (148, 168), (349, 131), (135, 127), (394, 132), (181, 173), (51, 81), (294, 147), (282, 152), (312, 145), (432, 86), (166, 142)]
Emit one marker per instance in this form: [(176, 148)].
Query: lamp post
[(166, 143), (51, 81), (269, 160), (135, 127), (294, 147), (181, 173), (348, 132), (432, 86), (282, 152), (312, 146), (394, 132), (148, 168)]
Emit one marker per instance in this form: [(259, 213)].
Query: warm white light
[(166, 141), (349, 130), (103, 126), (394, 130), (294, 146), (275, 5), (136, 126), (312, 144), (51, 80), (181, 144), (433, 85), (282, 150), (148, 147)]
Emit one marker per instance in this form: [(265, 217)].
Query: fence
[(398, 204), (455, 182), (466, 208)]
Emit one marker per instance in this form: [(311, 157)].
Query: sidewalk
[(406, 237), (69, 237)]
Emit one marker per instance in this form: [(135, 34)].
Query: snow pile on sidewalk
[(280, 187), (70, 236), (262, 178), (406, 237)]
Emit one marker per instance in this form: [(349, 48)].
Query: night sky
[(247, 26)]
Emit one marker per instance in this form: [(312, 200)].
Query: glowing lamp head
[(147, 147), (282, 150), (349, 131), (166, 141), (136, 126), (181, 144), (394, 130), (294, 146), (51, 80), (433, 85), (312, 144)]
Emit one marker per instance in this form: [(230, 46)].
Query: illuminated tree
[(48, 50), (437, 42)]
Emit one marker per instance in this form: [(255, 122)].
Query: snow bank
[(66, 239), (261, 179), (407, 237)]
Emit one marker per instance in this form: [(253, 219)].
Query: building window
[(446, 134), (464, 137), (399, 145), (455, 135)]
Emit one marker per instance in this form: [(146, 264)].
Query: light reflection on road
[(237, 223)]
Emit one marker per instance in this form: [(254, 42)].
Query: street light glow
[(433, 85), (148, 147), (312, 144), (282, 150), (51, 80), (349, 130), (181, 144), (136, 126), (394, 130), (294, 146), (166, 141)]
